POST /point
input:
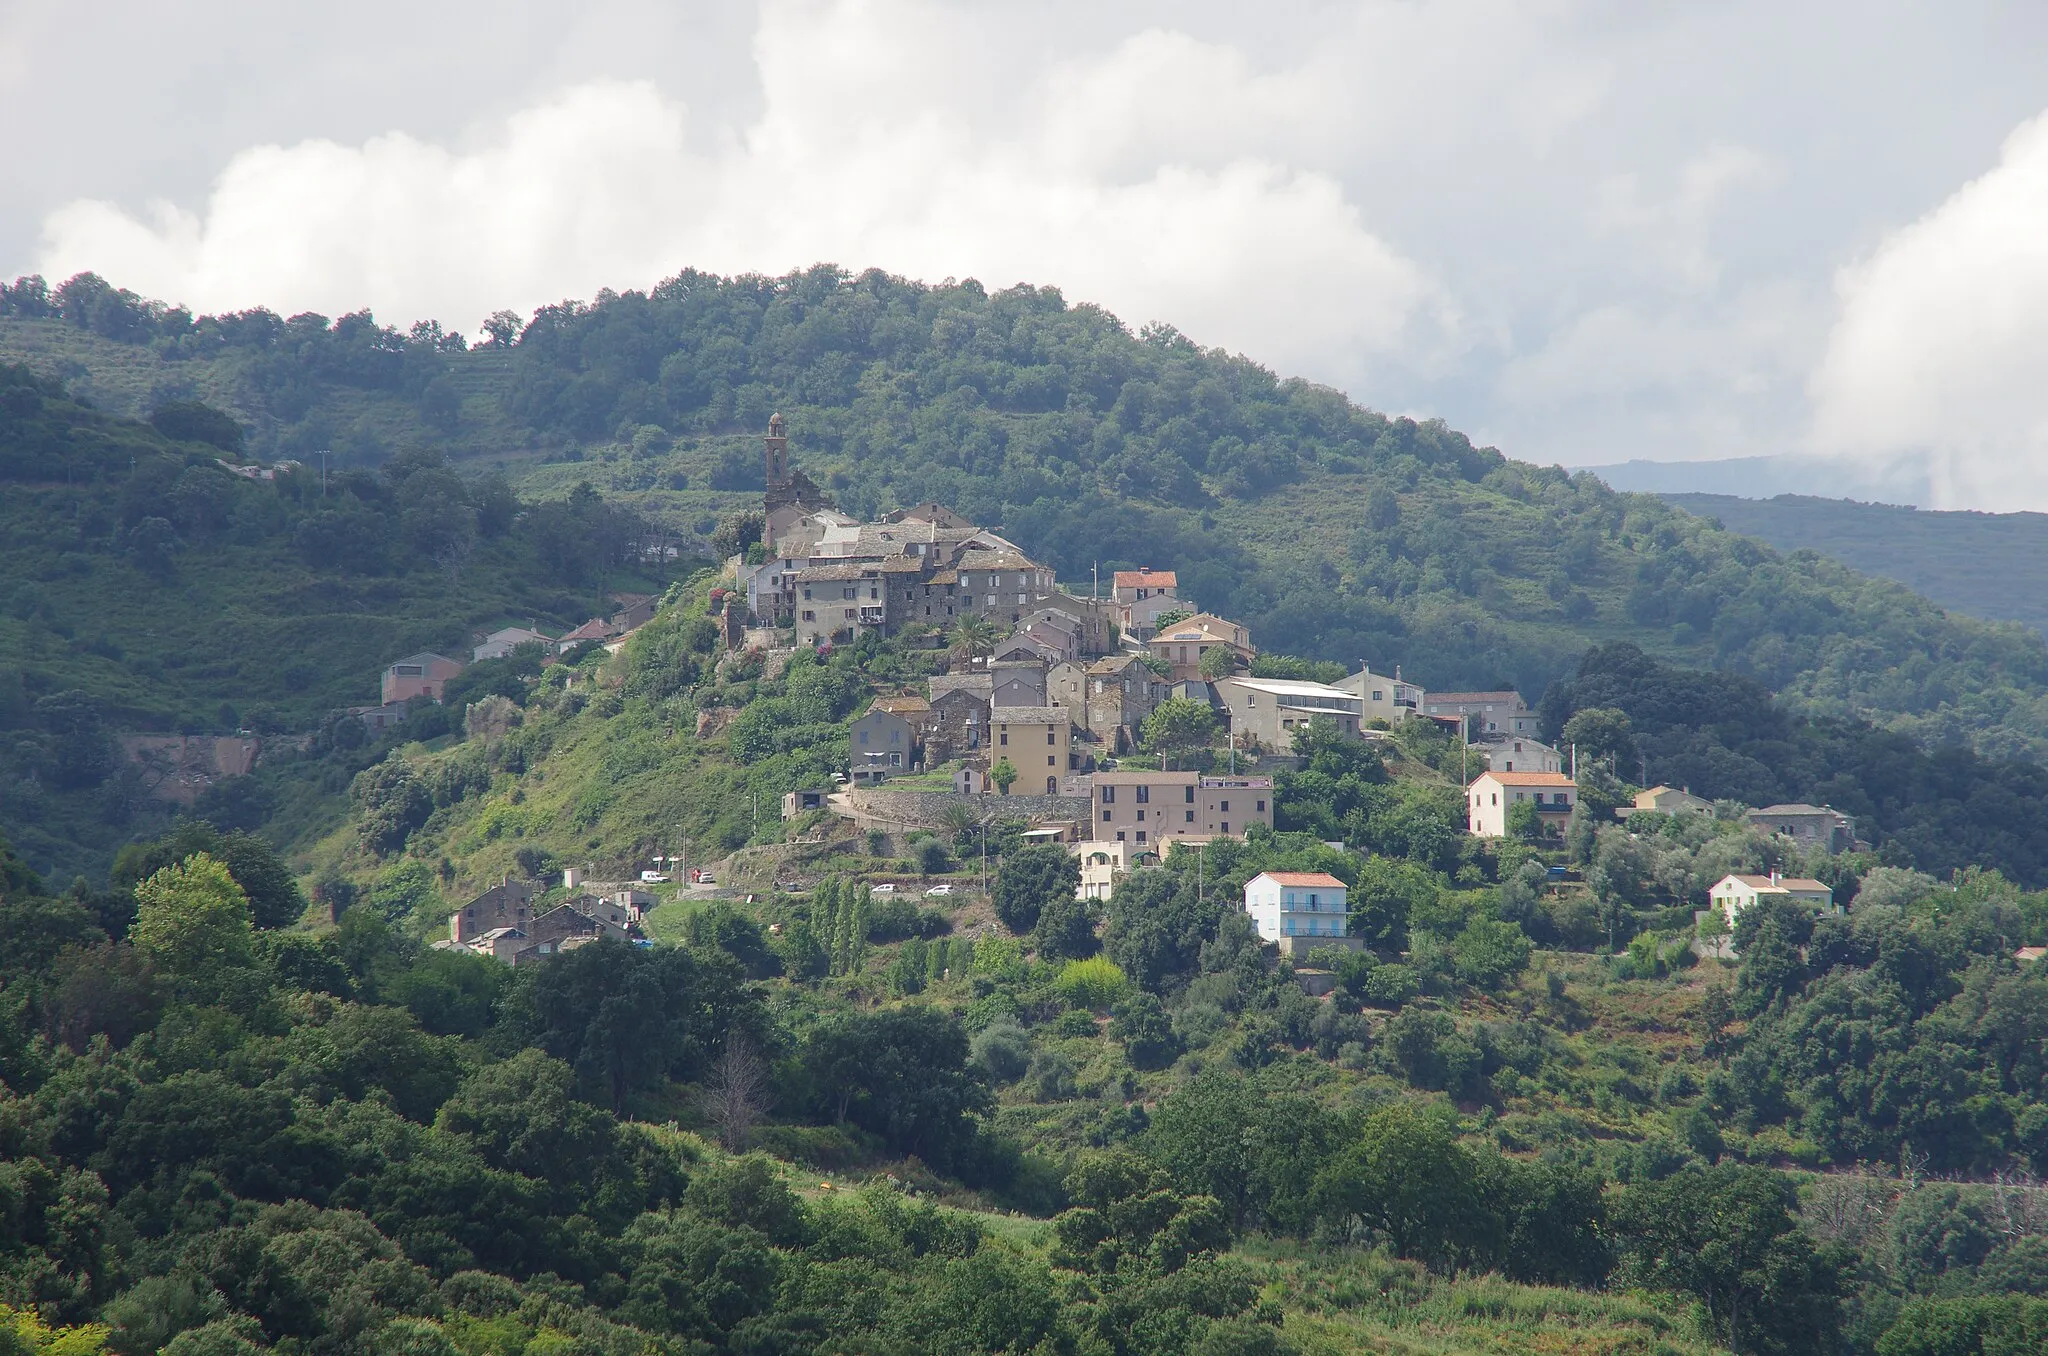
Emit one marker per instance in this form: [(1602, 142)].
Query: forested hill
[(144, 588), (1990, 565), (1334, 531)]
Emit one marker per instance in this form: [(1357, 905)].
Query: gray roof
[(1031, 715)]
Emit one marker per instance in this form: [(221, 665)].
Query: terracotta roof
[(1132, 579), (1302, 878), (1527, 778), (594, 629)]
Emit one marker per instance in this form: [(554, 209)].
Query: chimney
[(1774, 875)]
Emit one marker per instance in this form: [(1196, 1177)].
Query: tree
[(1140, 1022), (1727, 1236), (1406, 1177), (389, 802), (193, 421), (503, 329), (737, 1091), (275, 900), (974, 637), (1178, 726), (1218, 661), (736, 532), (1127, 1217), (1490, 953), (1031, 878), (192, 920), (902, 1074), (1066, 929), (1602, 732), (1004, 775)]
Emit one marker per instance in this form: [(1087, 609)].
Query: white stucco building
[(1733, 894), (1299, 910)]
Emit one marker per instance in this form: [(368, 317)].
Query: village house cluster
[(504, 923)]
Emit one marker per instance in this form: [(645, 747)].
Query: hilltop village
[(1117, 722)]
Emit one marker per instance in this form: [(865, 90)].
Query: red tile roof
[(1150, 579), (1303, 878)]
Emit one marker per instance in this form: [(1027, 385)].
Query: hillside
[(1989, 565), (1335, 532), (143, 588), (1529, 1119)]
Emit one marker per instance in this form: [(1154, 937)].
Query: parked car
[(653, 878), (938, 890), (706, 878), (885, 888)]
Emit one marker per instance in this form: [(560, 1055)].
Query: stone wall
[(897, 811)]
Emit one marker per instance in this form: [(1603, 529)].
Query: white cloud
[(1942, 342), (880, 143)]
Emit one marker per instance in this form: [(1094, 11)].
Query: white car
[(938, 890), (885, 888), (653, 878)]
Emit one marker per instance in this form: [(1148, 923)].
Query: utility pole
[(322, 454)]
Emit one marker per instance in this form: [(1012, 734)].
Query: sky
[(1585, 231)]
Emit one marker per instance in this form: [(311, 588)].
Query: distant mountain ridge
[(1767, 477), (1989, 565)]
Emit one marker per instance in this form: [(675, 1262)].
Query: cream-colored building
[(1038, 741), (1733, 894), (1270, 710), (1392, 700), (1493, 794), (1103, 864), (1183, 644), (1669, 800), (1150, 810)]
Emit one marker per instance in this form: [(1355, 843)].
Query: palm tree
[(975, 637)]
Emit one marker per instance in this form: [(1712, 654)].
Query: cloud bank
[(870, 150), (1942, 346)]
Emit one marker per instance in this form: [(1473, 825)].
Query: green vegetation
[(245, 1105), (1981, 564), (1336, 532)]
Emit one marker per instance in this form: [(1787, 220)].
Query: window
[(1141, 835), (1191, 816), (1261, 808), (1051, 760), (849, 592), (1226, 826), (1190, 794), (1105, 816), (1109, 795), (1141, 816), (863, 738), (1049, 737), (1144, 795), (1004, 739), (1225, 807), (1119, 835)]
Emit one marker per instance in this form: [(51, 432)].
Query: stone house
[(883, 742), (1810, 826), (1016, 682), (509, 905), (1111, 696), (957, 725)]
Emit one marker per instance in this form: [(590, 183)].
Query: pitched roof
[(996, 560), (827, 573), (1146, 578), (1029, 715), (425, 657), (1304, 878), (1782, 883), (1470, 698), (595, 629), (1795, 809), (1527, 778), (901, 706)]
